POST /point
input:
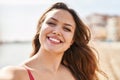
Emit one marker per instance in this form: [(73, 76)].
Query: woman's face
[(57, 31)]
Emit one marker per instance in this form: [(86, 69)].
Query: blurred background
[(19, 18)]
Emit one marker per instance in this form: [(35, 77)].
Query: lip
[(54, 39)]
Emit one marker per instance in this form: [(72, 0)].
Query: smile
[(54, 40)]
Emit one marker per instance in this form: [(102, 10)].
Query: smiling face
[(57, 31)]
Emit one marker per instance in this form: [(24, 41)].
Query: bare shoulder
[(12, 73)]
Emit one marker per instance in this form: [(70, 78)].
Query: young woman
[(60, 49)]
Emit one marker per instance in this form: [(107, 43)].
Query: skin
[(56, 36)]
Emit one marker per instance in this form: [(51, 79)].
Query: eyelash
[(64, 28), (51, 23), (67, 29)]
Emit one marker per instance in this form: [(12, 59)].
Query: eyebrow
[(64, 23)]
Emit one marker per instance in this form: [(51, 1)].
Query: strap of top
[(30, 74)]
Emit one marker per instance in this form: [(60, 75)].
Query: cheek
[(69, 41), (69, 38), (44, 29), (42, 33)]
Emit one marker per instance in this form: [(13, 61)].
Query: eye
[(51, 23), (67, 29)]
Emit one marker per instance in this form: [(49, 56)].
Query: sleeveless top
[(30, 74)]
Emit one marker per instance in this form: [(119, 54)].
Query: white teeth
[(53, 39)]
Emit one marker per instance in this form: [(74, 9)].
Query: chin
[(57, 51)]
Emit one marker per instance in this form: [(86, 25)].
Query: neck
[(48, 60)]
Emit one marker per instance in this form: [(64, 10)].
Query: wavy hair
[(80, 57)]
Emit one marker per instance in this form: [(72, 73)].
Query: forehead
[(61, 15)]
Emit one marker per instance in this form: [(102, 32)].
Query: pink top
[(30, 74)]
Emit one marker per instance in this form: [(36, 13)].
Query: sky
[(18, 18), (101, 6)]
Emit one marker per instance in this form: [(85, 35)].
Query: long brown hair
[(79, 58)]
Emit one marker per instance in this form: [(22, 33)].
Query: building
[(104, 27), (97, 23)]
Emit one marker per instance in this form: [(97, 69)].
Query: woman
[(60, 49)]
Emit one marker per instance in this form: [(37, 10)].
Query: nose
[(57, 31)]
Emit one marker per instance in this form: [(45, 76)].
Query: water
[(14, 53)]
